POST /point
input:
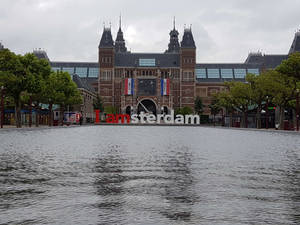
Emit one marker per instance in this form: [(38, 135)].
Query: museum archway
[(146, 106)]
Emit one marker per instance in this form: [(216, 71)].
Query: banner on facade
[(129, 86), (165, 87)]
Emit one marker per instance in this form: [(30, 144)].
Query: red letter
[(110, 118), (97, 112), (123, 116)]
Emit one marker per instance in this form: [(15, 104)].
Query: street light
[(297, 108), (2, 106)]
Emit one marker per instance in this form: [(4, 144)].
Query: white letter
[(142, 116), (159, 117), (151, 118), (134, 118), (179, 119), (192, 118), (169, 118)]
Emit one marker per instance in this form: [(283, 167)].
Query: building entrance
[(146, 106)]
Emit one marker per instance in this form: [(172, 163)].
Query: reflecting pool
[(149, 175)]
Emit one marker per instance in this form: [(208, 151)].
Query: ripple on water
[(149, 175)]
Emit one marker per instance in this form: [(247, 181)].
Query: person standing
[(80, 119)]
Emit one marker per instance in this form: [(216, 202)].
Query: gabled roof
[(255, 58), (266, 61), (296, 43), (81, 83), (41, 54), (188, 39), (106, 39), (272, 61), (161, 59)]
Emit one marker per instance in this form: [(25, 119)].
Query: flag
[(165, 87), (129, 86)]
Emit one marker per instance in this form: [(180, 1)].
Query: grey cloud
[(224, 31)]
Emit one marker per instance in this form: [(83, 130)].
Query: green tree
[(184, 111), (214, 107), (241, 95), (110, 110), (225, 99), (98, 103), (198, 105), (61, 90), (290, 69), (291, 66), (38, 70), (13, 78), (283, 91), (260, 91)]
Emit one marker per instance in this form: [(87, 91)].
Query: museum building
[(160, 82)]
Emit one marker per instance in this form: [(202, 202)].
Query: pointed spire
[(188, 39), (106, 39), (173, 46), (174, 23), (296, 43), (120, 42)]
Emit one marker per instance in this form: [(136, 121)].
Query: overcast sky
[(224, 30)]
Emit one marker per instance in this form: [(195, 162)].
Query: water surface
[(149, 175)]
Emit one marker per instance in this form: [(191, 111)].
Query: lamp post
[(297, 108), (2, 106), (267, 112)]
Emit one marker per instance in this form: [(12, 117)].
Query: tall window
[(106, 75), (188, 76)]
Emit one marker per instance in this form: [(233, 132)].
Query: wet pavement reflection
[(149, 175)]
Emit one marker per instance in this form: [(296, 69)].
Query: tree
[(225, 99), (290, 69), (98, 104), (260, 91), (110, 110), (13, 77), (38, 70), (291, 66), (61, 90), (241, 95), (283, 91), (214, 107), (186, 110), (198, 105)]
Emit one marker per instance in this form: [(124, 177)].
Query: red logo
[(111, 118)]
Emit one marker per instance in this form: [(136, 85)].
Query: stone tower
[(187, 69), (106, 71)]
